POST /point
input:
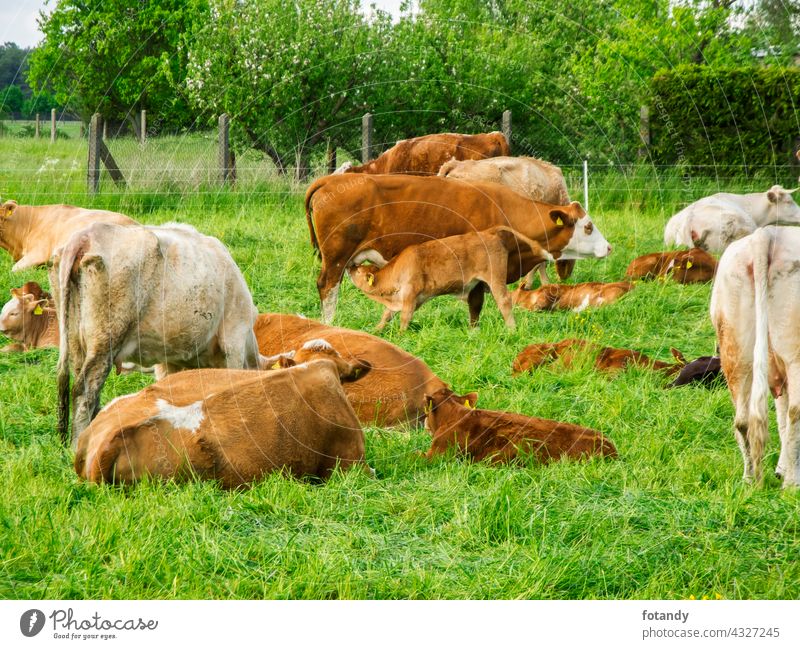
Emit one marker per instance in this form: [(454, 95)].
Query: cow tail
[(757, 425), (311, 190)]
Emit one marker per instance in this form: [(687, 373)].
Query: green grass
[(669, 519)]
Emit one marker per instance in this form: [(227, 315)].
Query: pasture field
[(670, 519)]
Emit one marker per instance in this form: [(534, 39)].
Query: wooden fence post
[(330, 157), (644, 130), (95, 130), (82, 132), (507, 127), (105, 130), (38, 126), (143, 128), (53, 126), (366, 138), (227, 167)]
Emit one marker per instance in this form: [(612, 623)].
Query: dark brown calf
[(500, 436), (570, 296), (693, 266)]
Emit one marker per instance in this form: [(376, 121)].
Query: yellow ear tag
[(370, 279), (559, 221), (467, 404), (277, 365), (688, 265), (428, 407), (38, 310)]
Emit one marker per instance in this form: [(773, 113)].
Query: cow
[(31, 234), (373, 218), (693, 266), (577, 297), (705, 370), (166, 296), (30, 318), (755, 305), (536, 179), (425, 155), (393, 394), (607, 359), (500, 436), (450, 266), (232, 426), (714, 222)]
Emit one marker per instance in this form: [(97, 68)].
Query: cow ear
[(429, 405), (17, 293), (561, 218), (360, 369), (773, 195), (471, 400), (7, 209), (676, 354)]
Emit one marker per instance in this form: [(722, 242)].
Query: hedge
[(741, 118)]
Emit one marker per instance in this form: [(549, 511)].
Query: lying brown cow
[(449, 266), (234, 426), (500, 436), (424, 155), (374, 218), (392, 394), (685, 266), (570, 296), (608, 359), (31, 234), (30, 318)]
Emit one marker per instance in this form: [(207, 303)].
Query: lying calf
[(608, 359), (705, 370), (684, 266), (570, 296), (449, 266), (30, 318), (500, 436), (233, 426), (395, 391)]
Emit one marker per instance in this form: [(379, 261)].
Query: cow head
[(780, 199), (18, 312), (319, 349), (364, 276), (587, 241), (691, 266), (445, 396)]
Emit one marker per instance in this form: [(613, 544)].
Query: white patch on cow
[(185, 227), (116, 400), (582, 305), (189, 417), (318, 345)]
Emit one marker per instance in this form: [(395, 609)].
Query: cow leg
[(475, 302), (86, 392), (782, 412), (503, 299), (790, 443), (409, 306), (741, 401), (330, 277), (388, 314)]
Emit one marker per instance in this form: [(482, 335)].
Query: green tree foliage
[(14, 66), (117, 58), (11, 100)]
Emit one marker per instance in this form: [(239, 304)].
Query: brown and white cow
[(450, 266), (392, 394), (233, 426), (30, 318), (693, 266), (607, 359), (570, 296), (373, 218), (31, 234), (424, 155), (500, 436), (755, 307), (166, 296)]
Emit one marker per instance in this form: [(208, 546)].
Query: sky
[(18, 18)]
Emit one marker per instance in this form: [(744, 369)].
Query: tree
[(14, 66), (117, 58), (11, 100)]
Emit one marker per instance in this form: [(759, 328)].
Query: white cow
[(713, 222), (755, 307), (166, 296)]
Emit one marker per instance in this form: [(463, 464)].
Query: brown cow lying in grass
[(31, 234), (449, 266), (500, 436), (570, 296), (693, 266), (234, 426), (607, 359), (392, 394), (424, 155), (30, 318)]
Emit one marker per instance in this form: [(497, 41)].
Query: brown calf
[(449, 266), (30, 318), (607, 359), (684, 266), (570, 296), (500, 436)]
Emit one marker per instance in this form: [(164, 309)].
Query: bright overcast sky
[(18, 18)]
